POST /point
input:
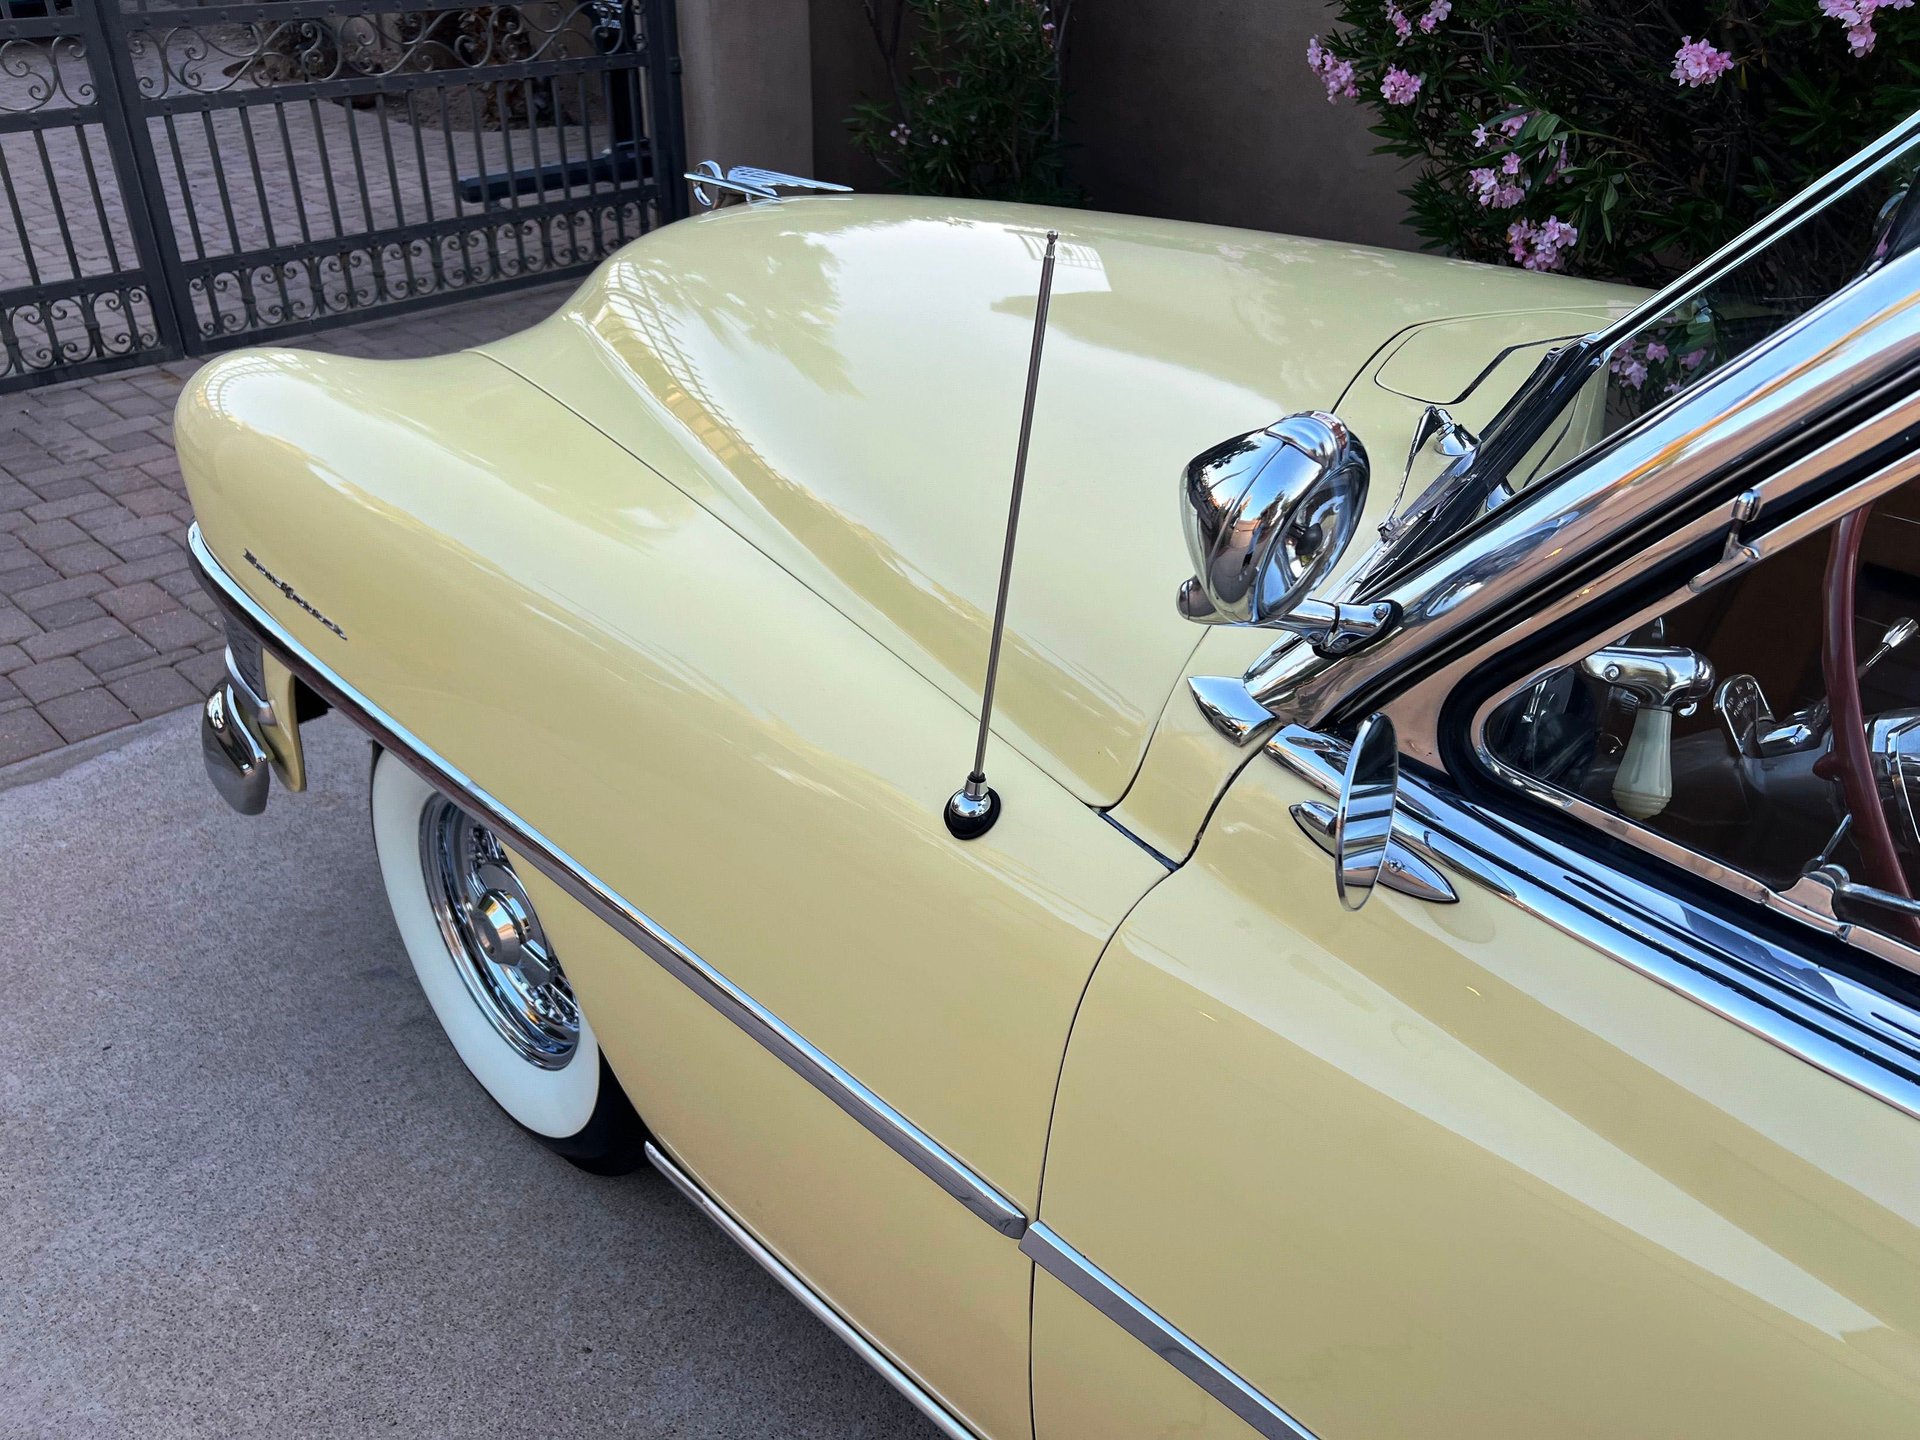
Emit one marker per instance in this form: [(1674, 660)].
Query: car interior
[(1715, 726)]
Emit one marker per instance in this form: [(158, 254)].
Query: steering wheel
[(1851, 760)]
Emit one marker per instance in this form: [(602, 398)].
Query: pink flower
[(1514, 124), (1487, 188), (1400, 87), (1402, 26), (1698, 63), (1627, 370), (1694, 359), (1479, 137), (1542, 246), (1656, 352), (1857, 16), (1336, 74), (1436, 12), (1511, 165)]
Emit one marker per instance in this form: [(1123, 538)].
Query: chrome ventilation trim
[(1852, 356)]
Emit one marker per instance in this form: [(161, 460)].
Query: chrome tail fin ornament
[(973, 809)]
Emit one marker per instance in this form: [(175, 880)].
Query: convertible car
[(1560, 626)]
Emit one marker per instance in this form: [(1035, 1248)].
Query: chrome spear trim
[(975, 806)]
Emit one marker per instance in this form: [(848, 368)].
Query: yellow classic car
[(1558, 625)]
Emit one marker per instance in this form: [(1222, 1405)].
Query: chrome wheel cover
[(494, 938)]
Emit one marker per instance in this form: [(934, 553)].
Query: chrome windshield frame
[(1482, 481), (1664, 484)]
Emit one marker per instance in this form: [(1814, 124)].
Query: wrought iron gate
[(181, 177)]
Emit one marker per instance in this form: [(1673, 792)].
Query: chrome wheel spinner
[(494, 938)]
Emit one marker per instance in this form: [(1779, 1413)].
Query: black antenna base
[(973, 810)]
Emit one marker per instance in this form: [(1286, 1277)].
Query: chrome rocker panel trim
[(822, 1310), (1855, 1034), (874, 1114), (1100, 1290)]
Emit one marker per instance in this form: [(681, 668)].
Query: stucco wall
[(1196, 109), (747, 82)]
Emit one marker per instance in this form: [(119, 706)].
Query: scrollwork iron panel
[(321, 161), (78, 289), (187, 177)]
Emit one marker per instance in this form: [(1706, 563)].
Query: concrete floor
[(246, 1188)]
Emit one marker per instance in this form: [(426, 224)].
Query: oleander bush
[(976, 98), (1625, 138)]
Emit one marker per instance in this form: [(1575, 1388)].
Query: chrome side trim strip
[(1100, 1290), (1859, 1036), (944, 1420), (874, 1114)]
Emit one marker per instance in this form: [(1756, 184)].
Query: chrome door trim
[(1112, 1299), (1851, 1031), (816, 1304), (812, 1065)]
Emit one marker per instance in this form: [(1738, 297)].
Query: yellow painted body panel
[(759, 776), (945, 1296), (696, 578), (283, 735), (1443, 1170), (1188, 763), (840, 381)]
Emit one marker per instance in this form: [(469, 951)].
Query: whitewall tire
[(494, 983)]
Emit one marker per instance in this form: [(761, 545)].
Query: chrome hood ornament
[(749, 183)]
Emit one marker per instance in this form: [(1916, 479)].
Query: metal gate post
[(669, 118), (141, 194)]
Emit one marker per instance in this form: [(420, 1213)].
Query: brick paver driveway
[(101, 623)]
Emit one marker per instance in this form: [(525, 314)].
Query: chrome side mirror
[(1267, 515), (1363, 821)]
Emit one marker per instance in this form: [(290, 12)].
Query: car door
[(1609, 1129), (1453, 1169)]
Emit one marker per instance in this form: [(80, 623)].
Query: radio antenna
[(975, 806)]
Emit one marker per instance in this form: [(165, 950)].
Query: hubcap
[(494, 938)]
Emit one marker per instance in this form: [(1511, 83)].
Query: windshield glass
[(1850, 220), (1762, 281)]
